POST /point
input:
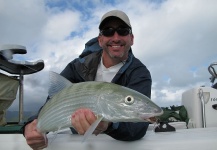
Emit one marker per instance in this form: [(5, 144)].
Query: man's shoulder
[(137, 68), (87, 57), (136, 63), (91, 46)]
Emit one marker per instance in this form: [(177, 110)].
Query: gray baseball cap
[(115, 13)]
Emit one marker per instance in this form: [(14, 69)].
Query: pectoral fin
[(92, 128)]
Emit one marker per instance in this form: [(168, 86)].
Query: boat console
[(201, 103)]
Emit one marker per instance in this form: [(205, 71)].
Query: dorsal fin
[(57, 83)]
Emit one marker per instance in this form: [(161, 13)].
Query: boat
[(199, 134)]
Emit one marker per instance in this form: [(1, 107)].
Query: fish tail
[(51, 139)]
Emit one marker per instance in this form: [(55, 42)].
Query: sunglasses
[(111, 31)]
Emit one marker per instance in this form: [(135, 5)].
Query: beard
[(121, 56), (117, 54)]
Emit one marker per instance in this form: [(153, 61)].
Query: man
[(105, 58)]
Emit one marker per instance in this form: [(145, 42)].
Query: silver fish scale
[(57, 112), (100, 97)]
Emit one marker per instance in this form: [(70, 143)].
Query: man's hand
[(83, 118), (35, 139)]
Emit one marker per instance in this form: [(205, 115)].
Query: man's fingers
[(76, 123), (101, 127), (96, 132), (90, 116), (30, 127), (82, 120), (79, 121), (35, 139), (38, 146)]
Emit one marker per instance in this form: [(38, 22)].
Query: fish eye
[(129, 100)]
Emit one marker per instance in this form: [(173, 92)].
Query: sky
[(175, 39)]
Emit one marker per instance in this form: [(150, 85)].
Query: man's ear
[(132, 39), (100, 40)]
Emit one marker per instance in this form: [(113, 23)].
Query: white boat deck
[(182, 139)]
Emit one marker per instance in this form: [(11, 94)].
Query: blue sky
[(175, 39)]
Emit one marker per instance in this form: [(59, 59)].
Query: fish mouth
[(152, 120), (151, 117)]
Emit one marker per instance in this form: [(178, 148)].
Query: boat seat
[(17, 67)]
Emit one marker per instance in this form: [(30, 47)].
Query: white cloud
[(21, 22), (61, 25)]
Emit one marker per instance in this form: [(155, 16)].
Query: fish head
[(121, 104)]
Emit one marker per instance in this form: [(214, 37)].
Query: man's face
[(115, 46)]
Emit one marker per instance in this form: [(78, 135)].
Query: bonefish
[(109, 101)]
